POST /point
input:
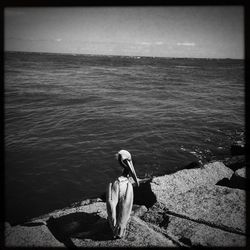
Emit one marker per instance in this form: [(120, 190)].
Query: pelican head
[(125, 160)]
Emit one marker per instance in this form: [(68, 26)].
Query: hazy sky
[(209, 31)]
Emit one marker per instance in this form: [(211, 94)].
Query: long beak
[(130, 165)]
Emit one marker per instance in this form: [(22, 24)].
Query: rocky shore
[(204, 205)]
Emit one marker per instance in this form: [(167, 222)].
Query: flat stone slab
[(138, 234), (190, 232), (167, 186), (222, 206), (213, 205), (196, 234), (30, 236)]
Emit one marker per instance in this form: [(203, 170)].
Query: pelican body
[(120, 196)]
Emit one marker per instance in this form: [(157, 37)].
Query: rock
[(24, 236), (196, 234), (139, 210), (241, 172), (87, 206), (168, 186), (190, 232), (192, 195), (138, 234), (85, 202), (235, 162), (202, 214), (182, 209), (217, 206), (84, 226), (36, 233)]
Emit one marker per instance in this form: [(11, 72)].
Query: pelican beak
[(130, 165)]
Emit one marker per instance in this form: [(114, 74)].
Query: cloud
[(35, 39), (186, 44), (159, 43), (145, 43)]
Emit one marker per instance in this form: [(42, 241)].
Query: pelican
[(119, 195)]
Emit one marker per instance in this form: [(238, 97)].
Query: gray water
[(66, 116)]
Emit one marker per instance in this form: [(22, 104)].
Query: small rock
[(241, 172), (139, 211)]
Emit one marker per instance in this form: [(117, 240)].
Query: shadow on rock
[(79, 225), (234, 182)]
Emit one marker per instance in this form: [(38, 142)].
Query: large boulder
[(217, 206), (190, 232), (167, 186), (191, 196), (197, 234)]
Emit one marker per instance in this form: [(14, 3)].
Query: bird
[(120, 195)]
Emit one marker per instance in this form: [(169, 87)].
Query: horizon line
[(169, 57)]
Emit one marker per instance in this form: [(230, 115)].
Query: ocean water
[(67, 115)]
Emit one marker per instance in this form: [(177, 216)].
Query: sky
[(168, 31)]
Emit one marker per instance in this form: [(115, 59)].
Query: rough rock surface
[(189, 232), (188, 209), (221, 206), (167, 186), (30, 236), (191, 195), (138, 234), (241, 172), (83, 226), (197, 234)]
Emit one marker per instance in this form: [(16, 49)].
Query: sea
[(67, 115)]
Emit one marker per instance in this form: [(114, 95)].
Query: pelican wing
[(112, 194), (125, 206)]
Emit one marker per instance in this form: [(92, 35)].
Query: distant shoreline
[(127, 56)]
